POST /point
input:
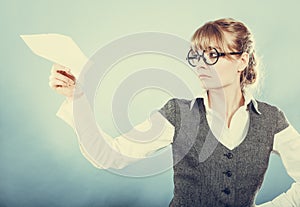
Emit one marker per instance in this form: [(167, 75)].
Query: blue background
[(40, 162)]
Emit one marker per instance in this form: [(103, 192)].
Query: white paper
[(57, 48)]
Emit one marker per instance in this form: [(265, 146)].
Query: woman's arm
[(287, 145), (101, 149)]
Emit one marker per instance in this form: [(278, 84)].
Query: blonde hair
[(242, 40)]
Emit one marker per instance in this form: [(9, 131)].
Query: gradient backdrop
[(40, 162)]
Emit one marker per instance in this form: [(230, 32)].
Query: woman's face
[(226, 72)]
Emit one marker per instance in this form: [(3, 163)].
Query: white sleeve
[(287, 145), (102, 150)]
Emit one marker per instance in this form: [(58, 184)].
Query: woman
[(221, 140)]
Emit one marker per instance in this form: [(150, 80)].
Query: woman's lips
[(204, 76)]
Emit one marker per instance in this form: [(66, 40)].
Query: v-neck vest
[(207, 173)]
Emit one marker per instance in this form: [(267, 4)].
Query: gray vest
[(226, 178)]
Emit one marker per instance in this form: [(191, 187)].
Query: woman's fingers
[(61, 88), (68, 74), (57, 83), (56, 67), (61, 80), (65, 91), (59, 69), (59, 76)]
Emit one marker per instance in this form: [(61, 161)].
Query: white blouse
[(286, 142)]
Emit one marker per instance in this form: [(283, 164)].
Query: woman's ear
[(244, 60)]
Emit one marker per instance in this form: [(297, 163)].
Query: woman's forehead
[(221, 43), (204, 45)]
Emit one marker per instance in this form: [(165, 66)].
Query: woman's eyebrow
[(217, 47), (195, 48)]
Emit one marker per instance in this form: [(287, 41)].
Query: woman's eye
[(213, 55)]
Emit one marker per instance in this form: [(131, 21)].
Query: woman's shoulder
[(266, 106), (179, 101), (174, 105), (272, 111)]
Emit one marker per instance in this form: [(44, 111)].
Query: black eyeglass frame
[(198, 56)]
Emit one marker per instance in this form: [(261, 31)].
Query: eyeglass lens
[(209, 56)]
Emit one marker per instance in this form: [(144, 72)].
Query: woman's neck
[(225, 101)]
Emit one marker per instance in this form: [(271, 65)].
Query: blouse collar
[(247, 96)]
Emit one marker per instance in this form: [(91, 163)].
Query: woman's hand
[(62, 81)]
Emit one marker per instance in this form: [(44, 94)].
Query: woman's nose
[(201, 66)]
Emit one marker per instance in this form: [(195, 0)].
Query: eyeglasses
[(210, 56)]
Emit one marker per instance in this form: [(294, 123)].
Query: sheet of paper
[(57, 48)]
